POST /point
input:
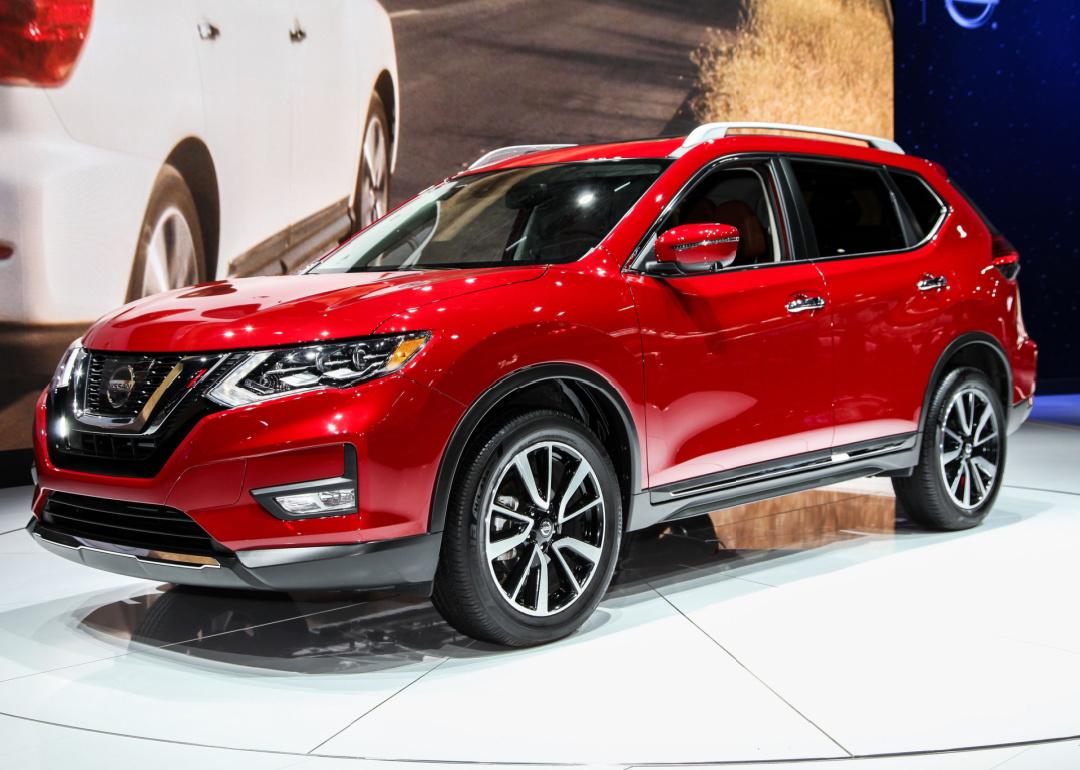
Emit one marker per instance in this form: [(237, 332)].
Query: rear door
[(891, 289), (736, 360)]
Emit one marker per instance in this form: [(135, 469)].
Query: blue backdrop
[(991, 90)]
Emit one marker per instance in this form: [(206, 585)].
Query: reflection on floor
[(335, 633), (749, 534), (810, 626)]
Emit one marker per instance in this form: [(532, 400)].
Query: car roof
[(839, 145)]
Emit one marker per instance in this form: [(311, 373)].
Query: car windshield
[(521, 216)]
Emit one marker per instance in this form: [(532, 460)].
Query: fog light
[(309, 499), (320, 503)]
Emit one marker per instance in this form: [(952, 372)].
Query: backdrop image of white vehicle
[(158, 144)]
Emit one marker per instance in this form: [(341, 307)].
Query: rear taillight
[(1004, 257), (41, 39)]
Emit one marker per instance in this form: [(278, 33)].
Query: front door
[(736, 361)]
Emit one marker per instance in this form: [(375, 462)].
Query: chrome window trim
[(946, 209), (880, 168), (636, 263)]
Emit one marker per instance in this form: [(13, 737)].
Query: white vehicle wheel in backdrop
[(170, 253), (372, 196)]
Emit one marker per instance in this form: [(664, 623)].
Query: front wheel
[(170, 252), (962, 459), (532, 532)]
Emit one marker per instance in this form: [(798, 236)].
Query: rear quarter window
[(925, 207)]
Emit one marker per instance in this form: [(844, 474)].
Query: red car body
[(707, 375)]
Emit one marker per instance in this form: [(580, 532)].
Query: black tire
[(362, 211), (466, 592), (171, 207), (925, 496)]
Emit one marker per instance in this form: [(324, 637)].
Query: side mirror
[(696, 248)]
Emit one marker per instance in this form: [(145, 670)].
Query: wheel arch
[(980, 351), (192, 159), (575, 389)]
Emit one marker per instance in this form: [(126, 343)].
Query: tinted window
[(534, 215), (926, 208), (736, 197), (851, 209)]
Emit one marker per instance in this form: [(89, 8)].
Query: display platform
[(812, 627)]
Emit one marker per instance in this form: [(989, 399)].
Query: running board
[(895, 454)]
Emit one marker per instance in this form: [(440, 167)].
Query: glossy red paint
[(398, 427), (714, 371), (283, 310), (698, 245), (732, 377)]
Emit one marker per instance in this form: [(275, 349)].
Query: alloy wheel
[(969, 447), (374, 181), (171, 259), (544, 528)]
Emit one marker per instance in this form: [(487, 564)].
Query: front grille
[(131, 454), (147, 373), (134, 525), (110, 446), (94, 436)]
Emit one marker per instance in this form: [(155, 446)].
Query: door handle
[(803, 302), (208, 31), (932, 282), (297, 34)]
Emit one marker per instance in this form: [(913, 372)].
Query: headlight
[(62, 376), (267, 374)]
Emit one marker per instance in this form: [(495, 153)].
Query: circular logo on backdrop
[(971, 14), (121, 383)]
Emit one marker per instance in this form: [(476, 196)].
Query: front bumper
[(398, 428), (402, 564)]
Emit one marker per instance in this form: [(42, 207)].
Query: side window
[(737, 197), (851, 208), (925, 206)]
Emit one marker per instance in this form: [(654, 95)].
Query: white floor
[(821, 629)]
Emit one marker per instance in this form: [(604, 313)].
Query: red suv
[(479, 394)]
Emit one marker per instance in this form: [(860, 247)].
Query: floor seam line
[(754, 582), (286, 753), (377, 705), (748, 670), (1041, 489), (765, 762)]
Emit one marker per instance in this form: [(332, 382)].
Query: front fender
[(575, 321)]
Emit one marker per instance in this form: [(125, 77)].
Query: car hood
[(282, 310)]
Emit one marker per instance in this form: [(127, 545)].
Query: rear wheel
[(532, 532), (372, 197), (170, 252), (962, 459)]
